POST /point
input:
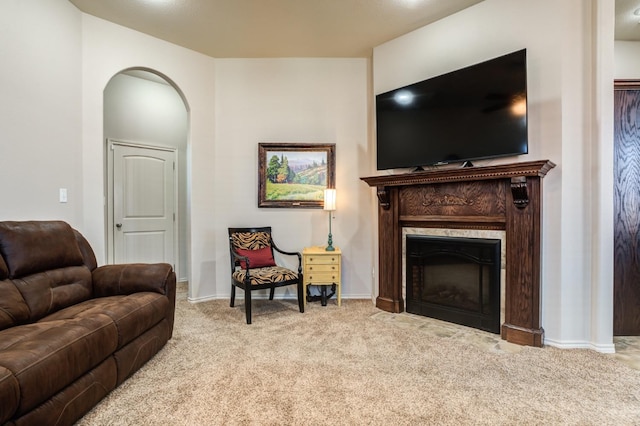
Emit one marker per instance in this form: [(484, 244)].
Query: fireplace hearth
[(454, 279)]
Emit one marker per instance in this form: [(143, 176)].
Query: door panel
[(626, 282), (144, 187), (143, 204), (145, 247)]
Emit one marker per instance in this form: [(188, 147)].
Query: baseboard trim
[(203, 299), (602, 348), (266, 296)]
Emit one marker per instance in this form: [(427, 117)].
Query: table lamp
[(330, 206)]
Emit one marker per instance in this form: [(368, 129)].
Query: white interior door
[(143, 219)]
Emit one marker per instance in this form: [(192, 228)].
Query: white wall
[(145, 111), (627, 60), (285, 100), (293, 100), (562, 46), (109, 49), (52, 134), (40, 110)]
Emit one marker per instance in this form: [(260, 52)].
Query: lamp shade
[(329, 199)]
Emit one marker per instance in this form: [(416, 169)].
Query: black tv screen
[(473, 113)]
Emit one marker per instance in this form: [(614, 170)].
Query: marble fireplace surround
[(503, 197)]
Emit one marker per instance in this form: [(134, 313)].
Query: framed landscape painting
[(295, 175)]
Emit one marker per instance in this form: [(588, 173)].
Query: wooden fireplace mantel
[(504, 197)]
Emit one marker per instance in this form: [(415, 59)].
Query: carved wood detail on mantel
[(383, 198), (504, 197)]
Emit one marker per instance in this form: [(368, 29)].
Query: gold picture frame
[(295, 175)]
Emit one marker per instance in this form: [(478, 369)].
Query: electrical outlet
[(63, 195)]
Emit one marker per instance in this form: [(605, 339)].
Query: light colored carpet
[(355, 366)]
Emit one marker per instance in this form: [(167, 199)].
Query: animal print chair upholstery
[(253, 266)]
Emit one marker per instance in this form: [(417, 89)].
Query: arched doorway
[(144, 109)]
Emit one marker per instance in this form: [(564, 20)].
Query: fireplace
[(454, 279), (502, 197)]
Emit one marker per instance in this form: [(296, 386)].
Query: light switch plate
[(63, 195)]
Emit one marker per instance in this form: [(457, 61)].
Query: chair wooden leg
[(271, 292), (301, 296), (233, 295), (247, 304)]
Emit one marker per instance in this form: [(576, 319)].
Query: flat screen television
[(473, 113)]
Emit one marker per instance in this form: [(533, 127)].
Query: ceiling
[(627, 23), (294, 28), (274, 28)]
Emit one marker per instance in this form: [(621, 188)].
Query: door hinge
[(174, 217)]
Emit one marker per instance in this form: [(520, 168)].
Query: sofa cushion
[(13, 308), (133, 314), (9, 394), (133, 356), (36, 246), (50, 291), (46, 357), (72, 402)]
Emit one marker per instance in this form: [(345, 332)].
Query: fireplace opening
[(454, 279)]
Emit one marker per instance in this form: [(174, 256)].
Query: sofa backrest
[(4, 272), (13, 308), (36, 246), (88, 256), (44, 261)]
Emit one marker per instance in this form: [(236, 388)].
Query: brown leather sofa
[(70, 332)]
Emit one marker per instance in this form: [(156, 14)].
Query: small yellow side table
[(321, 267)]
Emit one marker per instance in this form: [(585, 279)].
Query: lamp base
[(330, 237)]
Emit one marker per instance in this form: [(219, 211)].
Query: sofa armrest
[(111, 280)]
